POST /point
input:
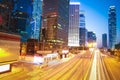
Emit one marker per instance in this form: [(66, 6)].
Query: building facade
[(27, 14), (6, 21), (21, 13), (83, 30), (73, 37), (55, 21), (91, 38), (112, 30), (83, 36), (36, 21), (82, 19), (104, 40)]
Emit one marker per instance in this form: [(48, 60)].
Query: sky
[(96, 16)]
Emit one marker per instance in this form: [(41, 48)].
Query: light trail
[(93, 69)]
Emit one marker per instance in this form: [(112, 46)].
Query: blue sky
[(96, 13)]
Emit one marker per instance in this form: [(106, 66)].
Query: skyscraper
[(83, 36), (55, 22), (82, 19), (112, 26), (21, 15), (36, 19), (73, 37), (6, 9), (28, 17), (104, 40), (83, 30)]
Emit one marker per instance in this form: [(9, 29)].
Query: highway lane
[(113, 67), (81, 67), (17, 74), (99, 70), (75, 69), (93, 72), (102, 73)]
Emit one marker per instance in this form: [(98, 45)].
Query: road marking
[(93, 70)]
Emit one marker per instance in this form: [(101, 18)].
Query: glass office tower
[(73, 37), (55, 22), (28, 15), (112, 26), (104, 40), (83, 30), (36, 19)]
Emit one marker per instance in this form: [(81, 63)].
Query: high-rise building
[(104, 40), (82, 19), (55, 22), (83, 30), (91, 38), (6, 9), (112, 26), (117, 7), (73, 37), (21, 14), (28, 16), (36, 19), (118, 20), (83, 36)]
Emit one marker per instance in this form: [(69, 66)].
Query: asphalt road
[(75, 69), (84, 66), (113, 67)]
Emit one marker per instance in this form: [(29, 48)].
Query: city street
[(59, 40), (113, 67), (84, 66)]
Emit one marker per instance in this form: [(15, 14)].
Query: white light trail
[(94, 69)]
